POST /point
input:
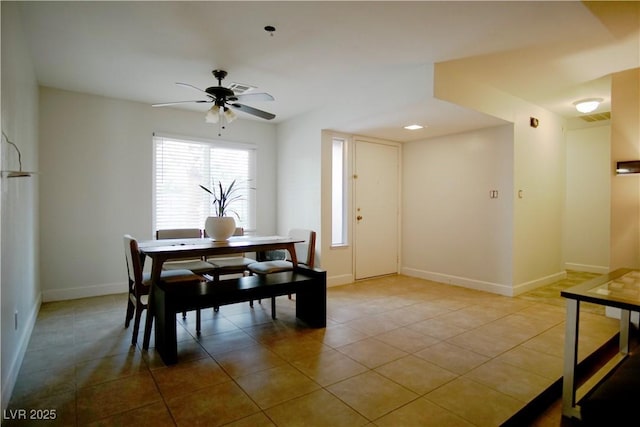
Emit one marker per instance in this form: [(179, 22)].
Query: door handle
[(359, 217)]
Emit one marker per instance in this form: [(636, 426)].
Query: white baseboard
[(464, 282), (542, 281), (479, 285), (84, 292), (118, 288), (598, 269), (16, 362), (343, 279)]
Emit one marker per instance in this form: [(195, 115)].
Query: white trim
[(9, 383), (344, 215), (197, 139), (479, 285), (542, 281), (599, 269), (154, 189), (84, 292), (343, 279)]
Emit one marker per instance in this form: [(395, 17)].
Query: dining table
[(162, 250), (619, 289)]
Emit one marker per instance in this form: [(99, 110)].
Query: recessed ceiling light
[(413, 127)]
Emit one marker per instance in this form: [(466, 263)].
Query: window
[(182, 165), (338, 193)]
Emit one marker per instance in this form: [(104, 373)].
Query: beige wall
[(625, 190), (96, 164), (588, 200), (538, 176), (304, 181), (19, 279), (453, 232), (539, 194)]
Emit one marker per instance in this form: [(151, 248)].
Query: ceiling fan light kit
[(229, 115), (213, 115), (225, 100)]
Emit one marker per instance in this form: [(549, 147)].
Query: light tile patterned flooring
[(397, 351)]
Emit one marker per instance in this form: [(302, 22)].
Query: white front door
[(377, 196)]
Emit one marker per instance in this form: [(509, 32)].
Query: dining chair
[(139, 284), (229, 264), (196, 265), (305, 254)]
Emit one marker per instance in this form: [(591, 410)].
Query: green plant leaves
[(224, 197)]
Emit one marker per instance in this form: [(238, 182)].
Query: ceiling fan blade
[(253, 111), (192, 87), (166, 104), (254, 97)]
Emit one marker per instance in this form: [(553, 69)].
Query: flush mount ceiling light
[(413, 127), (587, 105)]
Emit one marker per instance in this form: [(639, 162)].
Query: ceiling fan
[(225, 100)]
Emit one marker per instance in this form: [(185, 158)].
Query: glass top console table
[(619, 289)]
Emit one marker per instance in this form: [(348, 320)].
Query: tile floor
[(397, 351)]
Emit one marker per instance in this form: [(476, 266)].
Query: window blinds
[(182, 165)]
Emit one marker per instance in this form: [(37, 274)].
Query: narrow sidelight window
[(338, 193)]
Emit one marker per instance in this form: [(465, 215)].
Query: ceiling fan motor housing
[(221, 94)]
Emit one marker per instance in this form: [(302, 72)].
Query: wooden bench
[(309, 285)]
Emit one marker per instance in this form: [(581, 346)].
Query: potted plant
[(222, 225)]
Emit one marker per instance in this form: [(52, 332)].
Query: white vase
[(220, 227)]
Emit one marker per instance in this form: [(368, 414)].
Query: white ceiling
[(370, 63)]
